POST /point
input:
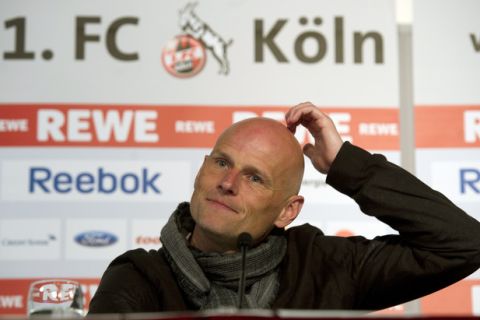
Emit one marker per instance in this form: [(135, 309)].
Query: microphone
[(244, 241)]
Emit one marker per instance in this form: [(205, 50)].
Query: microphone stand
[(244, 242)]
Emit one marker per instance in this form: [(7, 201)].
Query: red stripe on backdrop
[(56, 125), (453, 126), (456, 299)]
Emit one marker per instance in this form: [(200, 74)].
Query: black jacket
[(438, 244)]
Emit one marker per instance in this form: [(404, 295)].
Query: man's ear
[(290, 211)]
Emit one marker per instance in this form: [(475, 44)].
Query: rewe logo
[(105, 126), (184, 56), (11, 302)]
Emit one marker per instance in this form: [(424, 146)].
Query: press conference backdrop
[(107, 109), (446, 43)]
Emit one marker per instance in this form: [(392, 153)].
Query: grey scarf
[(210, 280)]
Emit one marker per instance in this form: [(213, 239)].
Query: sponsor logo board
[(30, 239), (441, 74), (95, 239), (458, 180), (350, 47), (146, 233), (177, 126), (447, 126), (93, 180)]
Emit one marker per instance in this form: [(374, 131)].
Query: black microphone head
[(244, 240)]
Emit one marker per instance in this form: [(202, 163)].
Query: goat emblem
[(191, 24)]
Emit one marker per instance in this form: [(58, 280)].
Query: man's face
[(241, 186)]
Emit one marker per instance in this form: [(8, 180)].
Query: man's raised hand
[(327, 139)]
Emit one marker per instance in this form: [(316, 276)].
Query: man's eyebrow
[(255, 170), (221, 155), (247, 168)]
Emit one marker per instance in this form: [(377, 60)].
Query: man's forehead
[(265, 139), (254, 131), (247, 142), (241, 149)]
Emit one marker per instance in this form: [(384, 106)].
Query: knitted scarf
[(210, 280)]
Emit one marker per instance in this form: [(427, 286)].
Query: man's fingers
[(322, 128), (295, 119), (293, 116), (293, 109), (305, 114)]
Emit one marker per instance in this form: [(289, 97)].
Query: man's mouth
[(221, 204)]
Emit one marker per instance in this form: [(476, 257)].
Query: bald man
[(250, 183)]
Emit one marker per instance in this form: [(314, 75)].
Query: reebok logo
[(46, 180), (95, 180)]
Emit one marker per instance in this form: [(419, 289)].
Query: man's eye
[(221, 163), (256, 179)]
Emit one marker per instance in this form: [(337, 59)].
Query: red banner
[(457, 299), (447, 126), (55, 125)]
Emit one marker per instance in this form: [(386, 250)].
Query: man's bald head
[(249, 183), (275, 143)]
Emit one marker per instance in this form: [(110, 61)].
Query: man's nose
[(230, 182)]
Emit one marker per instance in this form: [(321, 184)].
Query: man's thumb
[(308, 150)]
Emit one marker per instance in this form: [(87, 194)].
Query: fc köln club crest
[(185, 55)]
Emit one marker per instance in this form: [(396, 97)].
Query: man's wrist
[(348, 168)]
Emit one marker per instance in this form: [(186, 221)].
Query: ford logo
[(95, 239)]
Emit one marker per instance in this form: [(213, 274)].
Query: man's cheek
[(203, 181), (196, 183)]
